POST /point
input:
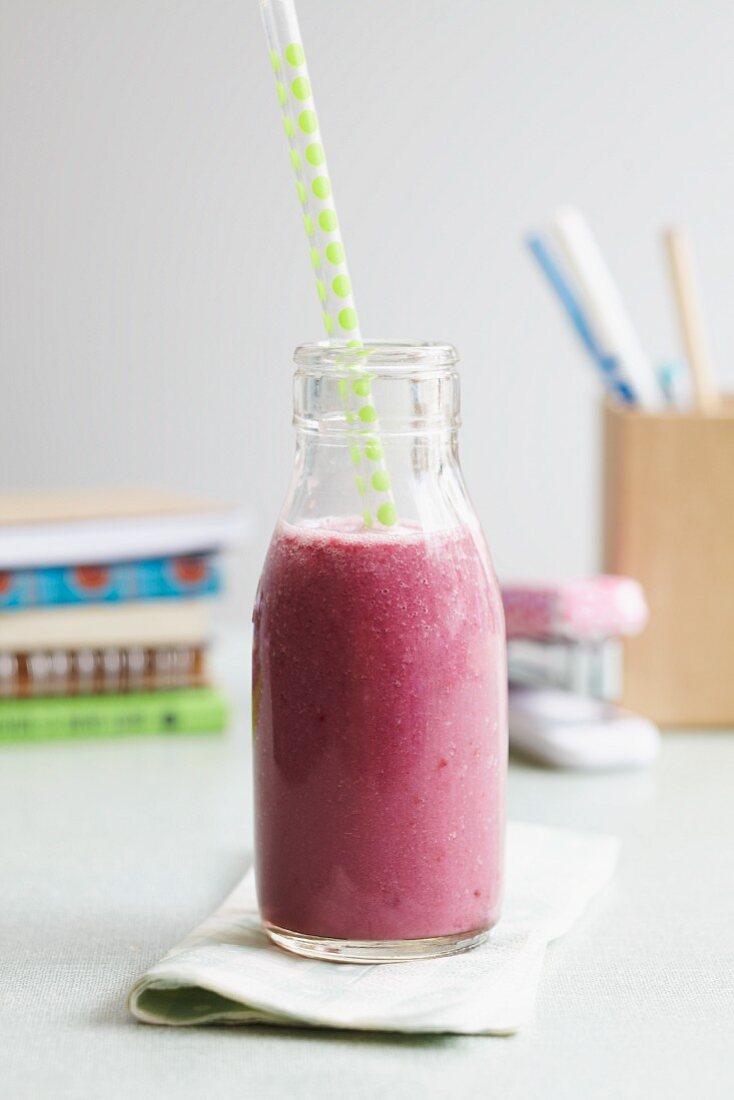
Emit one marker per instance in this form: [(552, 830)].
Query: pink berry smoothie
[(380, 734)]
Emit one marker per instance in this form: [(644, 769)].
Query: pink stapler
[(564, 655)]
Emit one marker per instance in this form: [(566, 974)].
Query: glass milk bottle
[(379, 675)]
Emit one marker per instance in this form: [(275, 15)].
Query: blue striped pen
[(559, 280)]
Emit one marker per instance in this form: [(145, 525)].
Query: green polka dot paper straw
[(328, 256)]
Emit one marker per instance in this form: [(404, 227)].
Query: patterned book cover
[(152, 579)]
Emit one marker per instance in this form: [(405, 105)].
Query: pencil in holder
[(669, 523)]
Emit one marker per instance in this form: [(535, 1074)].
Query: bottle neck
[(331, 479), (375, 424)]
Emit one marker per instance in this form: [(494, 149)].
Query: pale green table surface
[(111, 851)]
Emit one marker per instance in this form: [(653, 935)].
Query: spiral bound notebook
[(44, 673)]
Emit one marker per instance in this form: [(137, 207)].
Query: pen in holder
[(669, 523)]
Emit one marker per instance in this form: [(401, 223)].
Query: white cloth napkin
[(228, 971)]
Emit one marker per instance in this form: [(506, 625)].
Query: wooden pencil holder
[(669, 523)]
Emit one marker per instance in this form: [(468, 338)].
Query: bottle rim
[(386, 356)]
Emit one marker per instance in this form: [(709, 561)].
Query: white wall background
[(154, 279)]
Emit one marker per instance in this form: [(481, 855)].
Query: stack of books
[(106, 613)]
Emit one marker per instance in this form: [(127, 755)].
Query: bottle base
[(374, 951)]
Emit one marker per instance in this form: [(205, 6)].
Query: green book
[(190, 710)]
